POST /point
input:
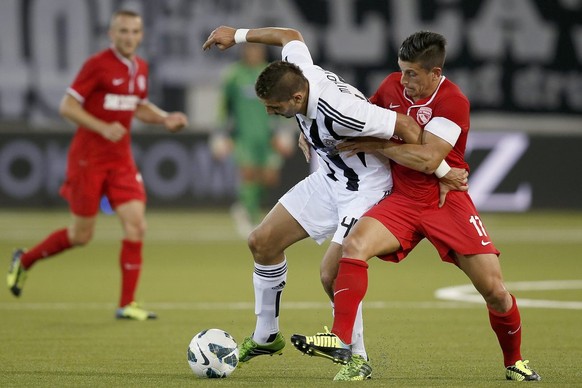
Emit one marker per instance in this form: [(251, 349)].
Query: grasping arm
[(407, 129), (425, 157)]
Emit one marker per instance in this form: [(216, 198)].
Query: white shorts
[(323, 208)]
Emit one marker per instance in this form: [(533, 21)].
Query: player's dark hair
[(279, 81), (425, 48)]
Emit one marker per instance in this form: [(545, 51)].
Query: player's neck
[(429, 91)]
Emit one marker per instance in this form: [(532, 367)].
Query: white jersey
[(336, 111)]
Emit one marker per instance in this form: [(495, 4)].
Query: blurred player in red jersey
[(110, 89), (391, 229)]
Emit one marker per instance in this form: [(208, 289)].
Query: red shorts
[(456, 227), (84, 188)]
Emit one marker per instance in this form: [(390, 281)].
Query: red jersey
[(448, 102), (109, 86)]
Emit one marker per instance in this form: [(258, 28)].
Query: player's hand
[(175, 121), (113, 131), (455, 180), (363, 144), (304, 147), (221, 146), (222, 37)]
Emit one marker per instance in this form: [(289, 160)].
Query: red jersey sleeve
[(87, 79), (456, 108)]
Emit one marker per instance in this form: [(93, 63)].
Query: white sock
[(357, 345), (358, 334), (269, 281)]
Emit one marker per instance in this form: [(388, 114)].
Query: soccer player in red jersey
[(110, 89), (391, 229)]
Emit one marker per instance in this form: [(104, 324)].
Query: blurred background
[(518, 61)]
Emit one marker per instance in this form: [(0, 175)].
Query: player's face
[(418, 82), (286, 109), (126, 33)]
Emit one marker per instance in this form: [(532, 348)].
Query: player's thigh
[(351, 206), (132, 216), (123, 185), (83, 190), (368, 238), (313, 204), (82, 229), (277, 231), (484, 270)]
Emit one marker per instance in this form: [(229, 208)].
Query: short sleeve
[(86, 81), (298, 53)]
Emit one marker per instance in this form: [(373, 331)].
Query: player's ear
[(436, 72), (298, 97)]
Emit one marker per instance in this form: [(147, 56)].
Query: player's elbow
[(291, 34), (408, 130), (67, 106)]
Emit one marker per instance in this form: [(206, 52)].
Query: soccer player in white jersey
[(327, 202)]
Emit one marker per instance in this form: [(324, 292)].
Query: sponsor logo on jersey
[(423, 115), (329, 146), (120, 102)]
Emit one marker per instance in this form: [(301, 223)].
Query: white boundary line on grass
[(467, 293)]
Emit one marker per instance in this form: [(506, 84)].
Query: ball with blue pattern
[(213, 353)]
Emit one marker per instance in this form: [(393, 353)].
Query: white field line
[(467, 293)]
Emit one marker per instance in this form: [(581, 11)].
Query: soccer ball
[(213, 353)]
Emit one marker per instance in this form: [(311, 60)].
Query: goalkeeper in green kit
[(258, 146)]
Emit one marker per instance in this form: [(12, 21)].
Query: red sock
[(351, 285), (130, 262), (55, 243), (507, 327)]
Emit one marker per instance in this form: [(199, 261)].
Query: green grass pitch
[(198, 274)]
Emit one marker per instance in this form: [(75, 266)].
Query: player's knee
[(136, 230), (80, 237), (327, 281), (498, 298), (353, 246), (258, 243)]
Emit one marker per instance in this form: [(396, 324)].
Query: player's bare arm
[(151, 114), (425, 158), (72, 109), (420, 157), (224, 37), (304, 147), (407, 129)]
